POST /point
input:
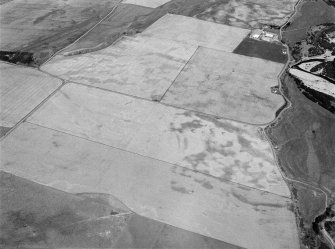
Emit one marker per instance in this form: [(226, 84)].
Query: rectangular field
[(155, 189), (196, 32), (227, 85), (224, 149)]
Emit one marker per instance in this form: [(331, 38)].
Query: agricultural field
[(196, 32), (262, 49), (221, 148), (193, 201), (22, 89), (227, 85)]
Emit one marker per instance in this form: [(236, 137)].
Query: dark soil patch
[(261, 49), (25, 58), (4, 130)]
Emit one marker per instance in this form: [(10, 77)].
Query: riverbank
[(302, 140)]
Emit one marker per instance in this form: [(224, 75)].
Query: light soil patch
[(196, 32), (147, 3), (21, 90), (249, 13), (224, 149), (143, 67), (157, 190), (227, 85)]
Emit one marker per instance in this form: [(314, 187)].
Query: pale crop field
[(227, 85), (221, 148), (21, 90), (158, 190), (196, 32)]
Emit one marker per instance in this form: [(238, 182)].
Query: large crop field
[(227, 85), (161, 191), (224, 149)]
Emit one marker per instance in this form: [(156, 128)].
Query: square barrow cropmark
[(227, 85)]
